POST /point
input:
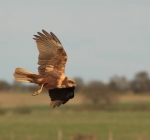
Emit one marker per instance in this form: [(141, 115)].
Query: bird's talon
[(34, 94), (39, 91)]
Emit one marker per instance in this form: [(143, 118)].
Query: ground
[(14, 99), (38, 121)]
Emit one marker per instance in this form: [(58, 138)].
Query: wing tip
[(56, 103), (43, 30), (46, 33)]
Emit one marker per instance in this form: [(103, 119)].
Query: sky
[(102, 38)]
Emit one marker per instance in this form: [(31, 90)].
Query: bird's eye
[(70, 81)]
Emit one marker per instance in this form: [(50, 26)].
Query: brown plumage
[(52, 60)]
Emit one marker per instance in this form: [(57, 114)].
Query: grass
[(44, 123), (24, 117)]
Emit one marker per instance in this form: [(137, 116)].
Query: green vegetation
[(44, 123)]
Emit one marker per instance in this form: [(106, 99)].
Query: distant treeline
[(95, 92), (139, 84)]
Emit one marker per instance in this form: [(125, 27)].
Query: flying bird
[(51, 72)]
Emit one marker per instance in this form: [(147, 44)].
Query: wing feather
[(55, 38), (60, 96), (51, 52)]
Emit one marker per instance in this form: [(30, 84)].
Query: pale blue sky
[(101, 37)]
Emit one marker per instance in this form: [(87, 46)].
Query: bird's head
[(71, 82)]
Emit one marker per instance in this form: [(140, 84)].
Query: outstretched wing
[(60, 96), (52, 56)]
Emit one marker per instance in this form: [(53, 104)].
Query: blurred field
[(45, 124), (14, 99), (42, 122)]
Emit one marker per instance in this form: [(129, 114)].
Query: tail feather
[(22, 75)]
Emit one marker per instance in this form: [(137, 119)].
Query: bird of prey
[(51, 72)]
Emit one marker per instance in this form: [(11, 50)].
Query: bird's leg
[(39, 91)]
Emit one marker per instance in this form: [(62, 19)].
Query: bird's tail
[(23, 75)]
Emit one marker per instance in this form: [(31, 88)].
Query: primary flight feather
[(52, 60)]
